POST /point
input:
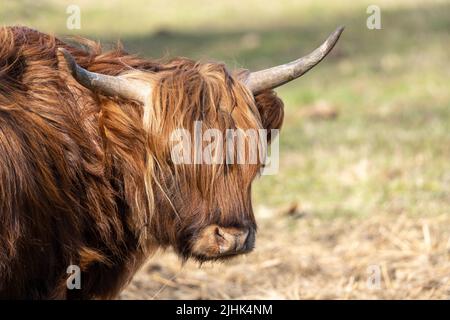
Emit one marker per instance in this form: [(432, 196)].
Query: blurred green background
[(366, 132)]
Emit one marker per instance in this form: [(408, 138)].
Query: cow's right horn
[(132, 89), (279, 75)]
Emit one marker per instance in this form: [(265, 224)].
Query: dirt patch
[(381, 257)]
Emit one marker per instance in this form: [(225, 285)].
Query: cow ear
[(271, 110)]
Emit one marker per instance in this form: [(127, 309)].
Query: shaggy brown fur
[(88, 180)]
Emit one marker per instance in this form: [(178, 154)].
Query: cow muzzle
[(215, 242)]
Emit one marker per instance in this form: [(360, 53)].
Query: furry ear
[(271, 110)]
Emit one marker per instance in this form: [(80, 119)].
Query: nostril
[(241, 240), (219, 233)]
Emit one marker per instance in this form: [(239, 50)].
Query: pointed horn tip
[(339, 30), (334, 37)]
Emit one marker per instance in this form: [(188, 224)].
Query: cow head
[(202, 207)]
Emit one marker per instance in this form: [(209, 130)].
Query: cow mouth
[(220, 243)]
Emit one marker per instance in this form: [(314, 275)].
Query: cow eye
[(218, 234)]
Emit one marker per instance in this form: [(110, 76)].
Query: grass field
[(365, 149)]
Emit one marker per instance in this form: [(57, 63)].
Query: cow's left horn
[(279, 75), (108, 85)]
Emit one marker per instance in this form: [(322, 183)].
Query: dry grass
[(302, 257)]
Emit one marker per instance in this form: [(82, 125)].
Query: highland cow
[(86, 176)]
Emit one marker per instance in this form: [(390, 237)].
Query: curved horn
[(279, 75), (108, 85)]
